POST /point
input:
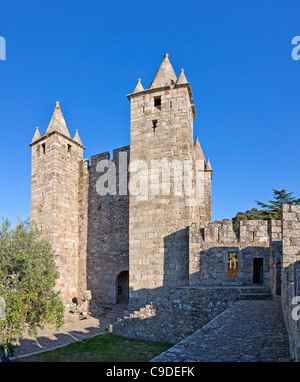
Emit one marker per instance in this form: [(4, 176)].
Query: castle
[(124, 245), (127, 244)]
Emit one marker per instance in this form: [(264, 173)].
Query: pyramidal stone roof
[(36, 136), (77, 138), (198, 150), (165, 75), (208, 166), (57, 122), (139, 87), (181, 78)]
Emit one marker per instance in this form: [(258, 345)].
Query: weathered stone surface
[(180, 312), (290, 288), (152, 245), (248, 331)]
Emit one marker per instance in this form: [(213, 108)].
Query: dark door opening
[(122, 285), (258, 270)]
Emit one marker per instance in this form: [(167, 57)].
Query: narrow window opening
[(44, 148), (157, 102), (232, 265), (69, 149), (154, 125), (170, 104)]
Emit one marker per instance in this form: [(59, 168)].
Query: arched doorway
[(122, 286)]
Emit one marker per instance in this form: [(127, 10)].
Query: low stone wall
[(178, 314)]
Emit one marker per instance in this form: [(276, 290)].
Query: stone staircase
[(255, 293), (115, 313)]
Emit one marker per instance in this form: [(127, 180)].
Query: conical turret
[(36, 136), (165, 75), (139, 87), (57, 122), (77, 138), (198, 150), (181, 78), (208, 166)]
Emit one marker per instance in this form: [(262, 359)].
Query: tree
[(273, 210), (253, 214), (28, 274), (270, 211)]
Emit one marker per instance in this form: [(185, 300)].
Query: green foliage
[(28, 275), (253, 214), (271, 211)]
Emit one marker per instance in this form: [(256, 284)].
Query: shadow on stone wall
[(108, 234), (174, 272), (175, 310), (213, 265)]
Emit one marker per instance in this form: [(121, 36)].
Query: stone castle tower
[(134, 245), (57, 196), (162, 132)]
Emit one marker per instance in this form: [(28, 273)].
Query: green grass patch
[(102, 348)]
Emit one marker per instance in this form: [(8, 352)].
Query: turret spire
[(57, 122), (165, 74), (208, 166), (181, 78), (36, 136), (77, 138), (198, 150), (139, 87)]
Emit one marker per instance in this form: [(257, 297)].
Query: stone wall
[(275, 256), (108, 219), (210, 246), (159, 219), (158, 224), (177, 314), (55, 180), (290, 287)]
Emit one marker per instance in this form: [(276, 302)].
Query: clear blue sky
[(89, 54)]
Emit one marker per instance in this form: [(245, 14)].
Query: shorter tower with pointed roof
[(56, 183)]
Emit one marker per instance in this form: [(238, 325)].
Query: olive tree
[(28, 275)]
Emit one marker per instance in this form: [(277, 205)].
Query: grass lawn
[(102, 348)]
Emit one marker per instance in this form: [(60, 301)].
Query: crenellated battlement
[(250, 231)]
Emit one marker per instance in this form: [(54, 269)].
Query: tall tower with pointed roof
[(56, 199), (162, 131)]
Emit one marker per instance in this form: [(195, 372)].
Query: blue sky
[(89, 54)]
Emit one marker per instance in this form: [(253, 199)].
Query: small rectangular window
[(69, 149), (157, 102), (44, 148), (154, 125)]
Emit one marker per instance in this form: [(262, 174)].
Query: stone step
[(256, 296), (232, 283)]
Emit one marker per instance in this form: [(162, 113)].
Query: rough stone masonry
[(150, 236)]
